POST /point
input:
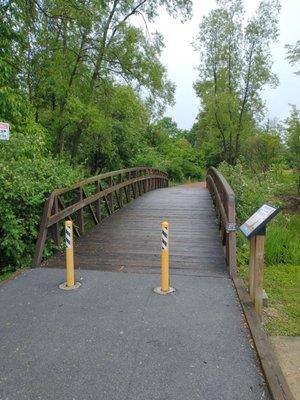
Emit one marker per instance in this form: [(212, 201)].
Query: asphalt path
[(114, 338)]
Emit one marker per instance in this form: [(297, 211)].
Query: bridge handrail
[(96, 178), (224, 200), (124, 184)]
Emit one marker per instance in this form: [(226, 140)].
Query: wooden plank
[(259, 273), (39, 248), (56, 227), (251, 267), (98, 203), (275, 379), (80, 215), (109, 195)]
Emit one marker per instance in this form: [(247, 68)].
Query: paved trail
[(114, 338)]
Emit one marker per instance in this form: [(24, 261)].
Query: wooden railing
[(224, 201), (95, 198)]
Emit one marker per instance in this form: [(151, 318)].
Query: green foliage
[(235, 66), (293, 144), (175, 154), (24, 185), (263, 150), (69, 61), (250, 194)]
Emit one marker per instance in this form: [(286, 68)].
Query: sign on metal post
[(4, 131)]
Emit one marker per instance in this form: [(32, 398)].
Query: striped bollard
[(165, 284), (70, 284)]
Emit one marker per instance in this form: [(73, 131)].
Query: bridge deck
[(129, 240)]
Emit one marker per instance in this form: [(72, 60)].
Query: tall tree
[(71, 54), (235, 66)]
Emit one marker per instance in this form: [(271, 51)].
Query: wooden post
[(127, 189), (140, 184), (252, 267), (56, 227), (134, 185), (80, 213), (98, 203), (109, 196), (38, 254), (259, 273)]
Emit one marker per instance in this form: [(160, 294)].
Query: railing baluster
[(80, 212), (110, 196), (98, 202), (56, 227)]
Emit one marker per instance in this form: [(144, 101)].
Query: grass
[(282, 284)]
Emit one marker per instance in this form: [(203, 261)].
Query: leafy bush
[(282, 243), (24, 186), (250, 194)]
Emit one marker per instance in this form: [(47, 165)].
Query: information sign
[(257, 222)]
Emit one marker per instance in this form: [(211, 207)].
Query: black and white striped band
[(164, 238), (68, 236)]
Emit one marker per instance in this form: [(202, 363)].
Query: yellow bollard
[(165, 257), (70, 284), (69, 254), (165, 284)]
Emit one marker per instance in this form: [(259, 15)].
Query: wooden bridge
[(129, 240), (115, 338)]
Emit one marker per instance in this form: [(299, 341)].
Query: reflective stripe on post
[(69, 234), (164, 236)]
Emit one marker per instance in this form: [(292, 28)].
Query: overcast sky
[(181, 60)]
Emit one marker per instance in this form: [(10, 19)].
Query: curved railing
[(224, 201), (92, 199)]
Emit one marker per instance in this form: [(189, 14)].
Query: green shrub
[(24, 186), (251, 191)]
